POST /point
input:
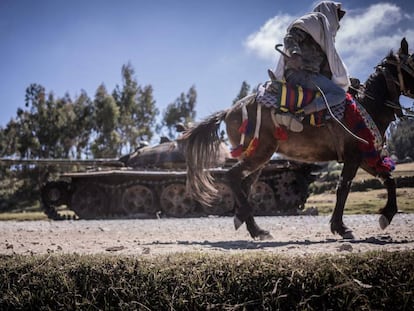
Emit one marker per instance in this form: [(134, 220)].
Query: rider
[(312, 60)]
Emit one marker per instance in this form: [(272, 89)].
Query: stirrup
[(289, 120)]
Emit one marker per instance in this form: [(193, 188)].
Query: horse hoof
[(383, 222), (348, 235), (265, 236), (237, 222)]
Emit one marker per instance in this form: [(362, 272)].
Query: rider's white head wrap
[(322, 24)]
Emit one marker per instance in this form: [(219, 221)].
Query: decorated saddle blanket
[(286, 97), (358, 120), (292, 98)]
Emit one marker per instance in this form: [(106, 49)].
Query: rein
[(396, 88), (339, 121), (402, 65)]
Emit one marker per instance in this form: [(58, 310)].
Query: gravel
[(293, 235)]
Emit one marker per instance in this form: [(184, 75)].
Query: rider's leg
[(334, 95)]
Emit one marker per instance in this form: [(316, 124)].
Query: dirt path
[(292, 235)]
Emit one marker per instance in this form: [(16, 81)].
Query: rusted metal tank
[(151, 182)]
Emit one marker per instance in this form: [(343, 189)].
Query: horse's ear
[(404, 47)]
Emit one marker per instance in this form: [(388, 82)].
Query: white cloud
[(263, 41), (366, 35)]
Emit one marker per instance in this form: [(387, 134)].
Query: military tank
[(151, 182)]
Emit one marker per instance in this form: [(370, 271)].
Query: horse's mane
[(374, 85)]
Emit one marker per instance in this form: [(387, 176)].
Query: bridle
[(407, 64), (397, 87)]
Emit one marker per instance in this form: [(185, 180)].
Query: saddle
[(286, 97), (281, 96)]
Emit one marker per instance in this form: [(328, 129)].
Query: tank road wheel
[(289, 197), (89, 201), (138, 199), (262, 198), (225, 202), (175, 201), (54, 194)]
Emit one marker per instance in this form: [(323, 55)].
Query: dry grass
[(193, 281), (362, 202), (369, 201), (404, 169)]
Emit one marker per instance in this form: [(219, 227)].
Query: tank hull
[(282, 189)]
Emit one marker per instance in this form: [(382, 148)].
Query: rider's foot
[(289, 120)]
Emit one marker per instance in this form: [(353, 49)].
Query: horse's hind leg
[(250, 221), (390, 208), (337, 225), (240, 178)]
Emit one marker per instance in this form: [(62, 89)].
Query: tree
[(40, 125), (137, 110), (83, 125), (146, 114), (401, 142), (244, 91), (107, 140), (53, 127), (181, 111), (9, 139)]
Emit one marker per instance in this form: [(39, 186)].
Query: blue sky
[(215, 45)]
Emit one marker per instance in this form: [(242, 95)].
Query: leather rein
[(397, 88)]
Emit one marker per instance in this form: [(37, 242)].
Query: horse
[(379, 95)]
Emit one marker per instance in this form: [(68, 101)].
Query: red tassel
[(236, 152), (243, 127), (280, 133)]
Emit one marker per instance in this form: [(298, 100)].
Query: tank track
[(278, 192)]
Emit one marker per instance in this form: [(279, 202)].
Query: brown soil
[(291, 235)]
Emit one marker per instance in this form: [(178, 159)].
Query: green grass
[(193, 281)]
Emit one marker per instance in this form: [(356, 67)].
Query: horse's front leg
[(240, 180), (337, 225), (390, 208)]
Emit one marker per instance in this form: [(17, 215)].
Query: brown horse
[(393, 77)]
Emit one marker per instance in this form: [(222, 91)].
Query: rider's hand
[(295, 61)]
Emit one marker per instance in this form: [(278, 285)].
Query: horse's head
[(406, 70), (398, 71)]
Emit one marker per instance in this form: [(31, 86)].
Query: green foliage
[(82, 126), (401, 142), (181, 111), (244, 91), (137, 111), (253, 281), (107, 141)]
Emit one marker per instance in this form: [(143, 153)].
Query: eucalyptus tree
[(107, 141), (244, 91), (182, 110), (137, 110)]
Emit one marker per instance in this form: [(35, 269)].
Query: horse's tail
[(201, 145)]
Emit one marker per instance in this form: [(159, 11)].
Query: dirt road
[(291, 235)]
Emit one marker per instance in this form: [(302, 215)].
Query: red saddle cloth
[(356, 121)]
